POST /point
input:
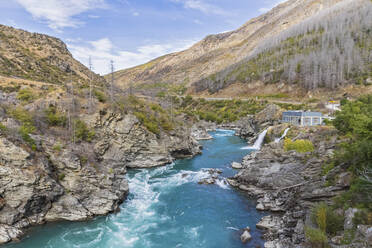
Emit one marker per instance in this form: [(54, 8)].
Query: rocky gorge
[(57, 180)]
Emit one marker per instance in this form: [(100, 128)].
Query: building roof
[(301, 113)]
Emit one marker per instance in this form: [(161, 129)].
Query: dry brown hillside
[(39, 57), (217, 52)]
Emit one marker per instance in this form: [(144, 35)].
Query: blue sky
[(130, 32)]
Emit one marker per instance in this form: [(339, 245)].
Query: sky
[(129, 32)]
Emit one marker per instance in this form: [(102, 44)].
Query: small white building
[(303, 118)]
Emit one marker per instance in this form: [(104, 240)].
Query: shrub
[(100, 96), (326, 219), (25, 132), (82, 133), (57, 147), (54, 117), (21, 115), (157, 108), (26, 95), (83, 160), (300, 146), (149, 122), (3, 128), (362, 217), (61, 176), (166, 124), (316, 237), (326, 168)]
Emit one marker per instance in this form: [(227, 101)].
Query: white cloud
[(94, 16), (270, 4), (102, 51), (202, 6), (60, 14)]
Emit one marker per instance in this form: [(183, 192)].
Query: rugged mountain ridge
[(40, 57), (217, 52)]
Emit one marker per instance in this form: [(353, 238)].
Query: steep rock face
[(249, 127), (216, 52), (125, 140), (53, 184)]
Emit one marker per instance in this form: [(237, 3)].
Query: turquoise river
[(167, 208)]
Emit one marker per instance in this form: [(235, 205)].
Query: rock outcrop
[(79, 181), (289, 183)]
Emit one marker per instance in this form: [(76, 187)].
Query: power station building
[(303, 118)]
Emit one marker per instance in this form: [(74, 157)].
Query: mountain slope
[(328, 50), (39, 57), (216, 52)]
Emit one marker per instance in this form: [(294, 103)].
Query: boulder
[(246, 236), (236, 165), (269, 223)]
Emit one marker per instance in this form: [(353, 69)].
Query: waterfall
[(277, 140), (257, 145)]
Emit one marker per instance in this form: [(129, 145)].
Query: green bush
[(26, 95), (326, 168), (326, 219), (149, 122), (100, 96), (57, 147), (54, 117), (3, 128), (316, 237), (82, 133), (25, 132), (166, 124), (61, 176), (300, 146), (362, 217), (21, 115), (355, 123)]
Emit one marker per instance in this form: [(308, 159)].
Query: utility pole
[(90, 85), (112, 82), (73, 108)]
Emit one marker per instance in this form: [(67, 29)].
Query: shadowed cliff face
[(217, 52)]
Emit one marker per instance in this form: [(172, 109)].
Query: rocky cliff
[(66, 181), (288, 183)]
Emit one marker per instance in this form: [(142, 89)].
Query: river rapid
[(167, 208)]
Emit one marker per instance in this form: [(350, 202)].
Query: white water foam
[(257, 145), (232, 228), (224, 132), (222, 183), (139, 214), (277, 140)]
